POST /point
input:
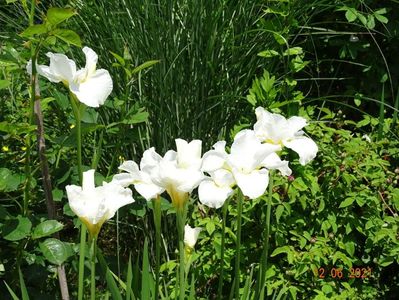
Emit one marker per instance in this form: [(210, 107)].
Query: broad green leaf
[(145, 65), (279, 212), (268, 53), (34, 30), (293, 51), (68, 36), (350, 248), (56, 15), (16, 229), (370, 22), (279, 250), (4, 84), (55, 251), (348, 201), (46, 228), (381, 18), (139, 117), (351, 14)]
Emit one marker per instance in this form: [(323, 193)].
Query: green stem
[(180, 218), (81, 260), (238, 245), (157, 222), (220, 288), (93, 269), (264, 258), (76, 113)]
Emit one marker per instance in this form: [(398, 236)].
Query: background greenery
[(197, 69)]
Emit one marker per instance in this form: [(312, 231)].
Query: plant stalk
[(180, 218), (238, 245), (220, 287), (264, 258), (157, 222), (93, 269), (81, 260)]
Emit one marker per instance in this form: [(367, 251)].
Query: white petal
[(88, 180), (223, 177), (254, 184), (188, 154), (115, 197), (94, 90), (273, 162), (129, 166), (91, 60), (212, 195), (188, 180), (191, 235), (213, 160), (124, 179), (305, 147), (150, 160), (295, 124), (61, 67), (148, 190)]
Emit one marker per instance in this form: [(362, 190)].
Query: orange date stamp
[(340, 273)]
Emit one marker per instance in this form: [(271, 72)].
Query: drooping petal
[(61, 67), (189, 180), (148, 190), (274, 162), (295, 124), (305, 147), (253, 184), (115, 197), (213, 160), (213, 195), (124, 179), (94, 91), (191, 235), (130, 166)]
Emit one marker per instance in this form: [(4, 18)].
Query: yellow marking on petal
[(178, 198), (93, 229)]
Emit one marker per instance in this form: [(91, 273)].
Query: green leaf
[(118, 58), (348, 201), (11, 1), (55, 251), (350, 248), (351, 14), (279, 212), (145, 282), (13, 295), (370, 22), (138, 117), (68, 36), (111, 284), (56, 15), (24, 291), (381, 18), (210, 227), (268, 53), (16, 229), (46, 228), (4, 84), (145, 65), (33, 30), (279, 250), (293, 51)]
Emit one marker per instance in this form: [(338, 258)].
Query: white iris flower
[(274, 129), (95, 205), (89, 85)]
